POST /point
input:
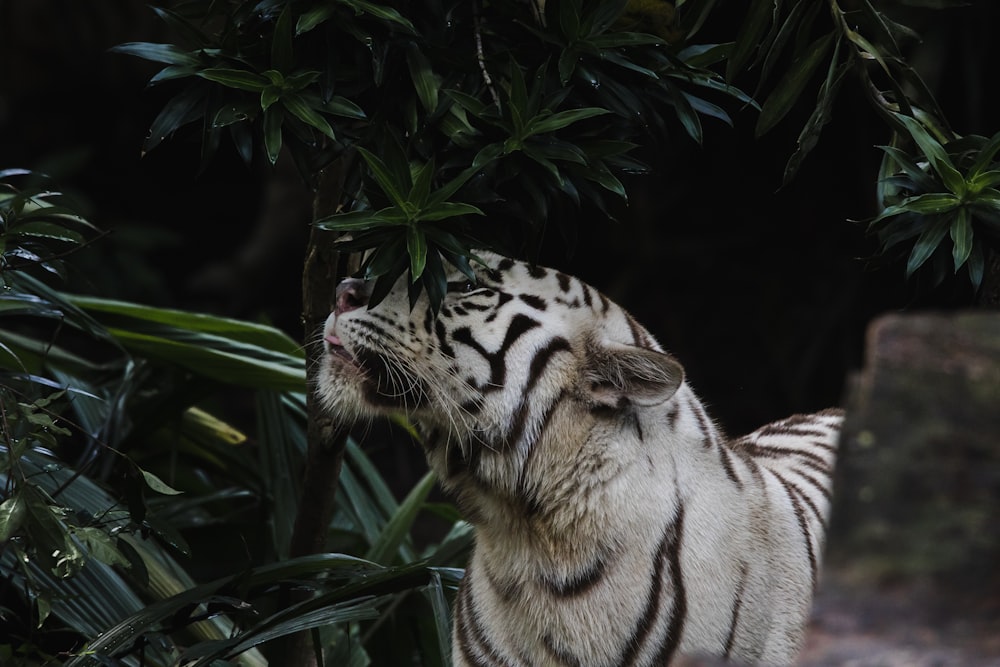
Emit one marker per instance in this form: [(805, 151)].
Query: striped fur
[(615, 525)]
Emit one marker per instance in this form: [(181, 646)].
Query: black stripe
[(678, 613), (703, 423), (773, 452), (536, 271), (519, 325), (563, 280), (532, 504), (734, 617), (579, 583), (816, 483), (536, 302), (442, 338), (725, 457), (538, 364), (470, 631), (669, 547), (800, 515)]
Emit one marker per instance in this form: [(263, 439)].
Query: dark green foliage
[(476, 123), (121, 549)]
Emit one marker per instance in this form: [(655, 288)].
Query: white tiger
[(614, 524)]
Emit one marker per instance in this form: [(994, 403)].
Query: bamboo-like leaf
[(781, 100), (341, 106), (561, 119), (236, 78), (961, 238), (273, 119), (936, 153), (250, 333), (920, 177), (389, 183), (931, 203), (926, 244), (422, 74), (300, 108), (788, 28), (439, 606), (313, 17), (387, 14), (281, 41), (179, 111), (416, 248), (748, 38), (985, 157), (399, 525), (161, 53), (687, 116)]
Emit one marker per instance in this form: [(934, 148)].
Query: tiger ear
[(617, 374)]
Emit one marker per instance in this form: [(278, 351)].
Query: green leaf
[(314, 17), (399, 525), (983, 180), (47, 230), (416, 248), (985, 157), (443, 210), (936, 153), (387, 14), (749, 36), (281, 41), (273, 119), (784, 96), (161, 53), (362, 220), (236, 78), (467, 102), (561, 119), (926, 244), (421, 189), (300, 108), (157, 484), (389, 184), (101, 546), (931, 203), (341, 106), (961, 237), (180, 110), (422, 74), (12, 514), (920, 177)]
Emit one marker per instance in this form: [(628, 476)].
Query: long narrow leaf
[(400, 524)]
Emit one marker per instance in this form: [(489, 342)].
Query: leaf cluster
[(476, 123), (789, 43), (947, 193), (38, 226), (124, 471)]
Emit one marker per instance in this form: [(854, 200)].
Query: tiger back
[(614, 524)]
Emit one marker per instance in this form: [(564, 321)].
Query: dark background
[(763, 292)]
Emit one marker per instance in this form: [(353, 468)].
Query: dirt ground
[(906, 624)]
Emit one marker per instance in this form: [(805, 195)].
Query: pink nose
[(352, 293)]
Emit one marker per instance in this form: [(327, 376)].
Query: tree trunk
[(326, 439)]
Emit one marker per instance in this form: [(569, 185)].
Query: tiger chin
[(614, 524)]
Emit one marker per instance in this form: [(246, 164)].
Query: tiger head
[(507, 354)]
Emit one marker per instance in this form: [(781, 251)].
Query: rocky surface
[(913, 572)]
